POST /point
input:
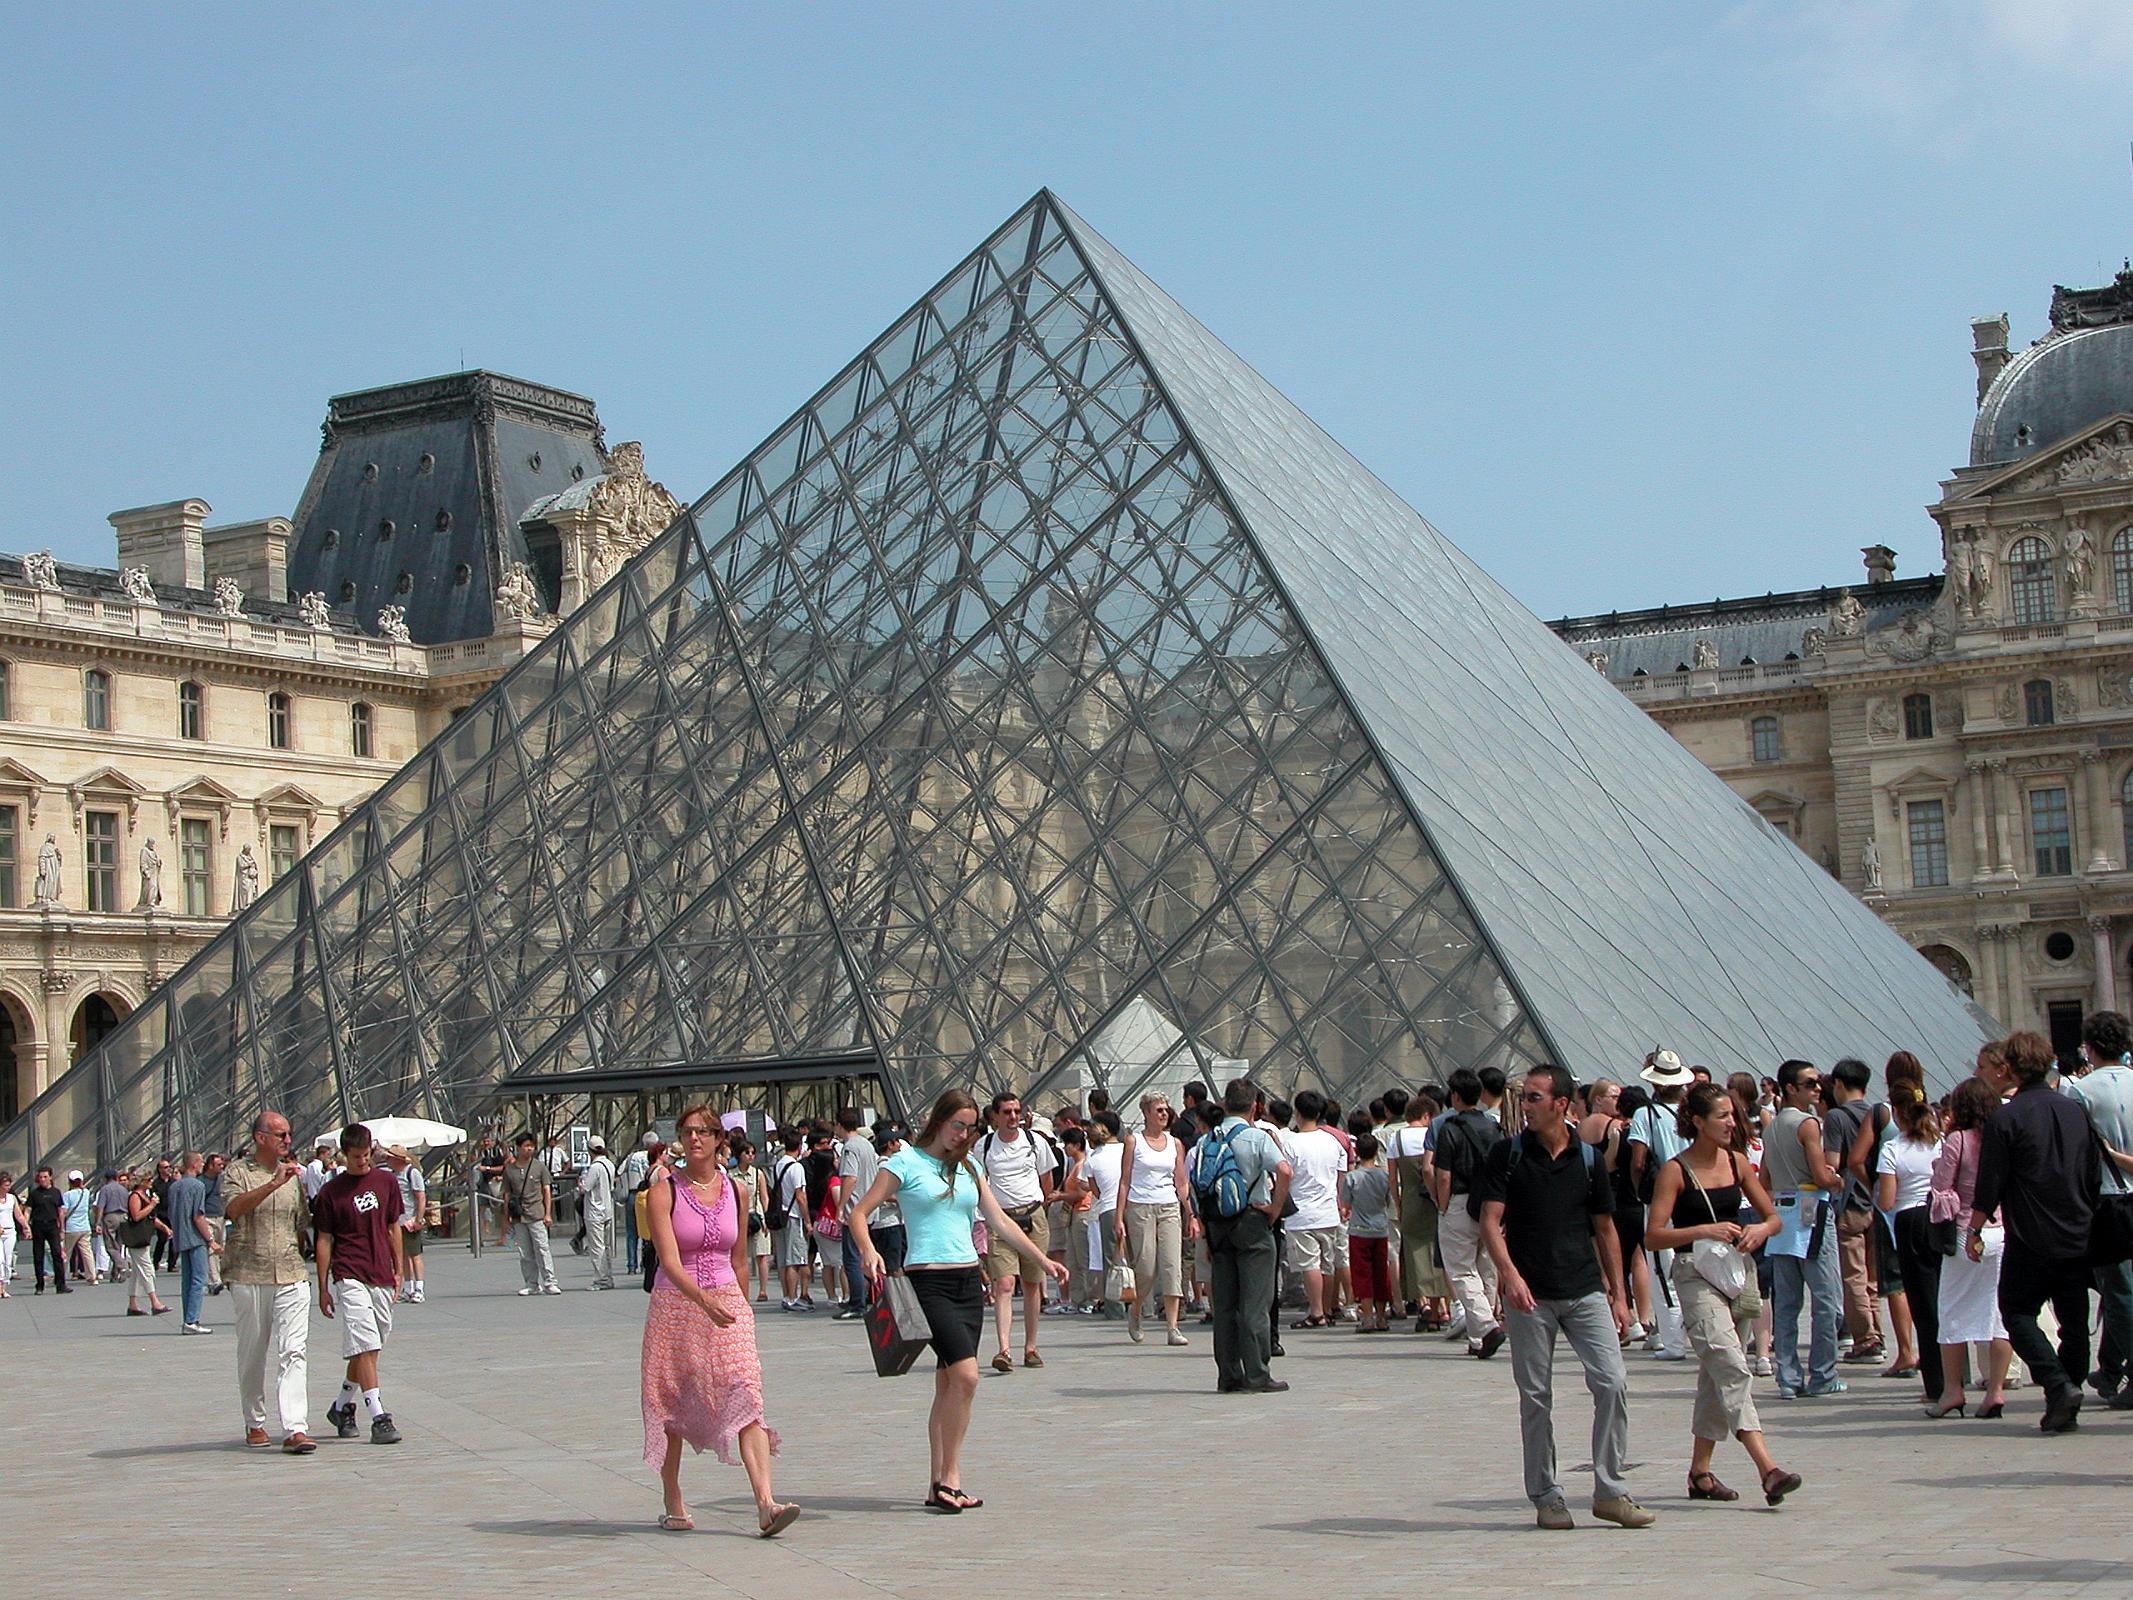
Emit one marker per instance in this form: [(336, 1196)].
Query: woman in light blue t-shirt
[(941, 1195)]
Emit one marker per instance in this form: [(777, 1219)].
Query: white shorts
[(365, 1313)]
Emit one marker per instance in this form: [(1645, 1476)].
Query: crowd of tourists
[(1673, 1214)]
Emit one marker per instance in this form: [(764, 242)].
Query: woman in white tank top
[(1155, 1216)]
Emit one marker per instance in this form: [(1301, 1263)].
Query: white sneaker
[(551, 1288), (1457, 1328), (1633, 1334), (523, 1293), (1760, 1366)]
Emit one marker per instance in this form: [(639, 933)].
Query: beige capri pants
[(1154, 1240), (1718, 1333)]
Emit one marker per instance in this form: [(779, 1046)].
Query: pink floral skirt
[(702, 1382)]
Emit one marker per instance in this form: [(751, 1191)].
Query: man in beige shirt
[(266, 1214)]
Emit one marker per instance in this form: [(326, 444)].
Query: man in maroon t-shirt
[(359, 1276)]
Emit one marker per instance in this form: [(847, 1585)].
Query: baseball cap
[(596, 1143), (889, 1132), (74, 1177)]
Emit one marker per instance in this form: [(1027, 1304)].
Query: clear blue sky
[(1636, 302)]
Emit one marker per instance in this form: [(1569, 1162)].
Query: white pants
[(600, 1245), (1471, 1269), (365, 1313), (273, 1328), (535, 1264), (1667, 1325)]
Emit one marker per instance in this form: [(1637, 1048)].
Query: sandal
[(969, 1502), (1910, 1371), (1705, 1486), (1997, 1408), (1003, 1362), (677, 1522), (781, 1518), (1778, 1483), (938, 1500), (1310, 1322)]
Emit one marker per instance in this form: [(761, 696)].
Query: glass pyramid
[(1047, 680)]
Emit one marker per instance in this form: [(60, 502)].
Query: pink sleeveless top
[(703, 1236)]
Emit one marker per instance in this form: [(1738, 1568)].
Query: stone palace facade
[(1957, 747), (175, 731)]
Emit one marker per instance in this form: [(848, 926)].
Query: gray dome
[(2054, 389)]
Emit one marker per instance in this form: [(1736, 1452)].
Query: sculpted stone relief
[(518, 597), (1881, 720), (229, 599), (1847, 617), (133, 582), (312, 608), (1915, 637), (41, 569), (1704, 656), (2102, 459), (392, 624)]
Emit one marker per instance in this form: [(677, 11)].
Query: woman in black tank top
[(1629, 1210), (1696, 1205)]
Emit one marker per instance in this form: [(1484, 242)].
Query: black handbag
[(1945, 1237), (896, 1325), (2111, 1222)]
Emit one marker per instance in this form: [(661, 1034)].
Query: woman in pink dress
[(703, 1381)]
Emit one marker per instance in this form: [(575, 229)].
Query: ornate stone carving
[(1597, 660), (2080, 560), (45, 895), (1870, 864), (392, 624), (1813, 642), (2009, 703), (2101, 459), (2065, 703), (619, 514), (518, 597), (1881, 720), (1703, 656), (53, 982), (1981, 596), (1847, 617), (247, 888), (2114, 686), (151, 862), (134, 582), (312, 608), (1915, 637), (42, 571), (229, 599), (1962, 571)]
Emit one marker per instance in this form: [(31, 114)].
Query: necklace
[(705, 1183)]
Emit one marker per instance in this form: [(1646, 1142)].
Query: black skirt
[(953, 1299)]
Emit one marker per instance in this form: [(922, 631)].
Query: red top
[(357, 1215)]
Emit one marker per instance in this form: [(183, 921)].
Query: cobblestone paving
[(1393, 1462)]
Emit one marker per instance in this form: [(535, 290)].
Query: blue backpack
[(1217, 1177)]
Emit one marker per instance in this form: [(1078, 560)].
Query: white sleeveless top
[(1155, 1174)]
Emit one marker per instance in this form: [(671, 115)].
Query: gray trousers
[(1243, 1255), (600, 1245), (1590, 1327), (535, 1264)]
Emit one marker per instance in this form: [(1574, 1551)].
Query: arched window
[(1763, 735), (2037, 703), (96, 700), (192, 711), (2122, 568), (359, 729), (278, 720), (2029, 574)]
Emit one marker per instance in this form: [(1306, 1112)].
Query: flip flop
[(937, 1500), (677, 1522), (780, 1519)]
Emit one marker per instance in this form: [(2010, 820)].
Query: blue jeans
[(2114, 1358), (192, 1281), (855, 1289), (628, 1207), (1817, 1275)]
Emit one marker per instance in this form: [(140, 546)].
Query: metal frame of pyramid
[(1047, 664)]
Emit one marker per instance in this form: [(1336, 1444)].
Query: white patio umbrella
[(409, 1133)]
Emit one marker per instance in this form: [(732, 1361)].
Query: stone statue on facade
[(1814, 642), (1870, 863), (42, 571), (229, 599), (247, 889), (45, 895), (1981, 578), (518, 597), (1703, 656), (2080, 560), (1962, 573), (151, 877), (392, 624), (133, 582), (1847, 617), (1597, 660), (312, 608)]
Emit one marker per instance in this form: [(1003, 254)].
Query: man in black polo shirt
[(2037, 1167), (1547, 1220)]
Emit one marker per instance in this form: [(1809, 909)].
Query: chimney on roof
[(1880, 564), (252, 555), (166, 540), (1988, 337)]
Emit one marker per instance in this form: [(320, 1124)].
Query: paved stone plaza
[(1393, 1462)]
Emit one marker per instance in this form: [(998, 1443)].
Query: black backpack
[(777, 1214), (1463, 1144)]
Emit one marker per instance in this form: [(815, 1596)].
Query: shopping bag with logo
[(896, 1326)]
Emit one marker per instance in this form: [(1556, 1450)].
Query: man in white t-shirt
[(634, 1166), (1107, 1159), (1314, 1233), (322, 1165), (1652, 1141), (1020, 1165), (788, 1178)]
